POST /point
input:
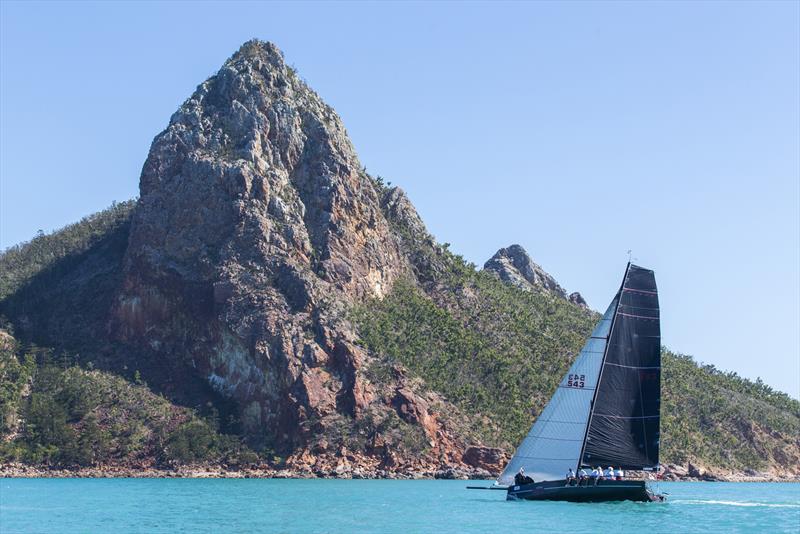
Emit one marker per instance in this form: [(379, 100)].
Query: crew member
[(595, 475), (570, 478), (619, 474), (521, 478)]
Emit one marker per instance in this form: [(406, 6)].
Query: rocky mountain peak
[(256, 226), (513, 264), (254, 167)]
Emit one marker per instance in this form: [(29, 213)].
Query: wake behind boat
[(605, 412)]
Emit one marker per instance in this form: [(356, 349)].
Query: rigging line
[(557, 421), (637, 316), (545, 458), (631, 366), (554, 439), (639, 290), (641, 336), (638, 307), (629, 418), (587, 352)]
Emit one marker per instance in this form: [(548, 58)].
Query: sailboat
[(605, 411)]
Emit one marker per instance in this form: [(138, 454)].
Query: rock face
[(256, 225), (515, 266), (577, 299), (488, 458)]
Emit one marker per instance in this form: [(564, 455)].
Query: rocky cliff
[(513, 265), (269, 303), (256, 228)]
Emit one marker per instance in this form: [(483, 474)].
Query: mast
[(602, 366)]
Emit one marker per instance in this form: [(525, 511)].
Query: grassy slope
[(724, 420), (499, 353), (493, 350)]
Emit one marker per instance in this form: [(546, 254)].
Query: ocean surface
[(118, 506)]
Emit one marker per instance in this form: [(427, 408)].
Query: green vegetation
[(61, 285), (20, 263), (496, 351), (14, 379), (75, 417), (722, 419)]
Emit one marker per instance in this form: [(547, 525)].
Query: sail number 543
[(576, 381)]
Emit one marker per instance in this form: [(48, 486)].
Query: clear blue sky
[(579, 130)]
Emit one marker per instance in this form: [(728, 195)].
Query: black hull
[(603, 491)]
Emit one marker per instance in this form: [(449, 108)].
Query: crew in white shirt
[(610, 473), (596, 475), (619, 474)]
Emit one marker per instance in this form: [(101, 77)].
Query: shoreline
[(201, 472)]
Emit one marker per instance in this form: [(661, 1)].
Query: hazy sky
[(579, 130)]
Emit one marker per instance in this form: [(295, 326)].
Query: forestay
[(555, 441)]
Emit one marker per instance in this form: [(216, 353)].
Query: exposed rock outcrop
[(489, 458), (514, 265), (577, 299), (255, 228)]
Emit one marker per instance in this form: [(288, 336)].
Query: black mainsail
[(606, 410), (625, 419)]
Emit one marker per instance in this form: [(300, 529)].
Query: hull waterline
[(603, 491)]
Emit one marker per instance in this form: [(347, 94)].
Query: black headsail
[(625, 418)]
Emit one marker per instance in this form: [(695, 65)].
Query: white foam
[(739, 503)]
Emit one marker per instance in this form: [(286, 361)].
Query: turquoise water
[(118, 506)]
